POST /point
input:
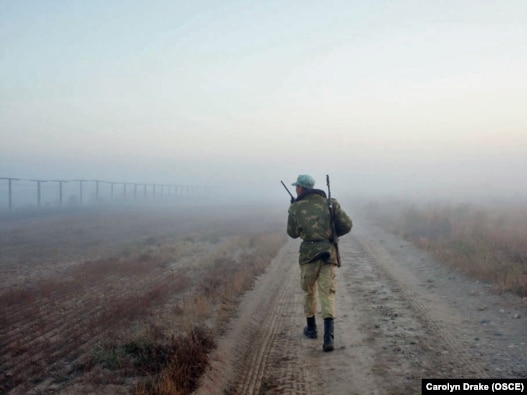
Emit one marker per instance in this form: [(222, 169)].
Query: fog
[(404, 98)]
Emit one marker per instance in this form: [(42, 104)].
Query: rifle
[(290, 194), (334, 238)]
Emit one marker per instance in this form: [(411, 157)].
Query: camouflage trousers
[(319, 275)]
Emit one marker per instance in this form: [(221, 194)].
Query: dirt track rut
[(401, 317)]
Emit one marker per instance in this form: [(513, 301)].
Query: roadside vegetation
[(140, 318), (487, 242)]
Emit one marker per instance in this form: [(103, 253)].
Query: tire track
[(392, 328), (438, 320), (264, 328), (241, 363)]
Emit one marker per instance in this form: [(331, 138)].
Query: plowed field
[(402, 316)]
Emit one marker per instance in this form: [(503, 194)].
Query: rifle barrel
[(290, 194), (335, 239)]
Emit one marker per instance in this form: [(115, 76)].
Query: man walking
[(309, 218)]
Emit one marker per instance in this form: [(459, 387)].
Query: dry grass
[(228, 278), (143, 315), (487, 242)]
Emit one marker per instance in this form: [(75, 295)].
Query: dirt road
[(401, 317)]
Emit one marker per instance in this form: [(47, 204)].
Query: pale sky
[(382, 95)]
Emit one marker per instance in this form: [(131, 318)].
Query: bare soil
[(73, 284), (402, 316)]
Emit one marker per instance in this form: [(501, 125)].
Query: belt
[(311, 242)]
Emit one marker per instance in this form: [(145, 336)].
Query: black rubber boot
[(311, 329), (328, 335)]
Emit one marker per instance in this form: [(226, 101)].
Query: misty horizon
[(408, 99)]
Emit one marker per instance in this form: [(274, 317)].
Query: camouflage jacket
[(309, 219)]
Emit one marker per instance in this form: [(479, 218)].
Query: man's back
[(309, 217)]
